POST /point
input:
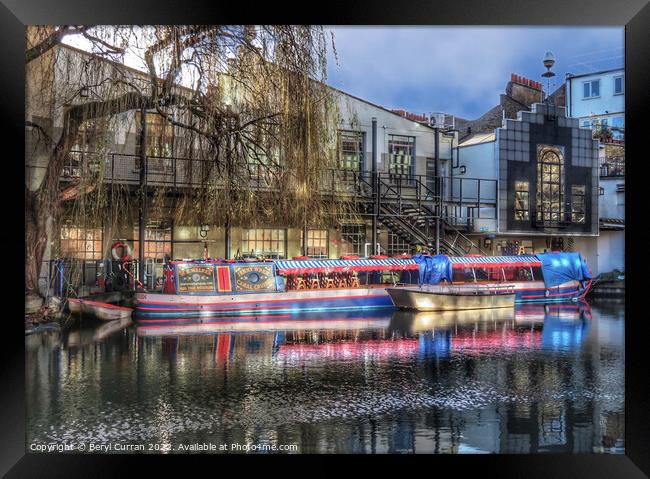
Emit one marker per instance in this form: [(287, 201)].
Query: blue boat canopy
[(433, 269), (558, 268)]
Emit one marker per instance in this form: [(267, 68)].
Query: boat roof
[(367, 264), (343, 265), (494, 261)]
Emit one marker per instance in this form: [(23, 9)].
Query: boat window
[(521, 273), (463, 275)]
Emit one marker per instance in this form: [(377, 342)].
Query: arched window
[(550, 183)]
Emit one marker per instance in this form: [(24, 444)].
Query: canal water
[(544, 378)]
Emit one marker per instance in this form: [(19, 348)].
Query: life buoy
[(126, 251)]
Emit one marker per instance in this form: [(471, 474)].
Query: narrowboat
[(195, 291)]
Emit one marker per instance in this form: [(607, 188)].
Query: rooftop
[(478, 138)]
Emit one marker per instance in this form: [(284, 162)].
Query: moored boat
[(98, 309), (452, 299), (194, 291)]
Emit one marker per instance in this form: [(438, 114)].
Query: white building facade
[(597, 100)]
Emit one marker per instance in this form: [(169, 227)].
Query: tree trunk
[(36, 222)]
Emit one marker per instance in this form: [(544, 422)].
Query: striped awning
[(340, 265), (494, 261)]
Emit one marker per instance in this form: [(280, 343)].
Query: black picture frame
[(634, 14)]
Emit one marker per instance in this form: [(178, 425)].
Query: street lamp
[(549, 61)]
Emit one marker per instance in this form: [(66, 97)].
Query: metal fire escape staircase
[(408, 207)]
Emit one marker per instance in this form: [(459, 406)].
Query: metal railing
[(411, 200), (73, 277), (186, 172)]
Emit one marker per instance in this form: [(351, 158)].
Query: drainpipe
[(227, 238), (436, 189), (375, 189), (305, 233)]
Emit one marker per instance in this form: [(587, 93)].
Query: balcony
[(448, 197), (612, 167)]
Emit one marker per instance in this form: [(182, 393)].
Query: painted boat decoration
[(197, 291), (452, 299), (99, 309)]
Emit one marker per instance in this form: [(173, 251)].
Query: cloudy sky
[(461, 70)]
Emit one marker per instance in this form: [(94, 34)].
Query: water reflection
[(541, 378)]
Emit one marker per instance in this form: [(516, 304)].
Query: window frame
[(273, 243), (316, 234), (591, 89), (360, 153), (526, 193), (397, 245), (158, 242), (619, 77), (393, 167), (78, 251), (553, 215), (356, 238), (574, 197), (160, 127)]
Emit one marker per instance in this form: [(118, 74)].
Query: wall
[(611, 251), (357, 114), (579, 107), (612, 203), (517, 143), (479, 161)]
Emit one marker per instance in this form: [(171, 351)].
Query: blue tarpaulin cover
[(559, 268), (433, 269)]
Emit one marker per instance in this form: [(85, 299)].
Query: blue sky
[(461, 70)]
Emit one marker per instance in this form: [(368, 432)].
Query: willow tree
[(257, 122)]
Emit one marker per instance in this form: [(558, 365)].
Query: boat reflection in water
[(532, 379), (403, 333)]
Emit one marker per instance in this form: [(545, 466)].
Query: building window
[(317, 241), (351, 150), (159, 135), (550, 174), (522, 201), (578, 203), (353, 239), (267, 242), (591, 89), (618, 85), (157, 242), (397, 245), (81, 243), (401, 154)]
